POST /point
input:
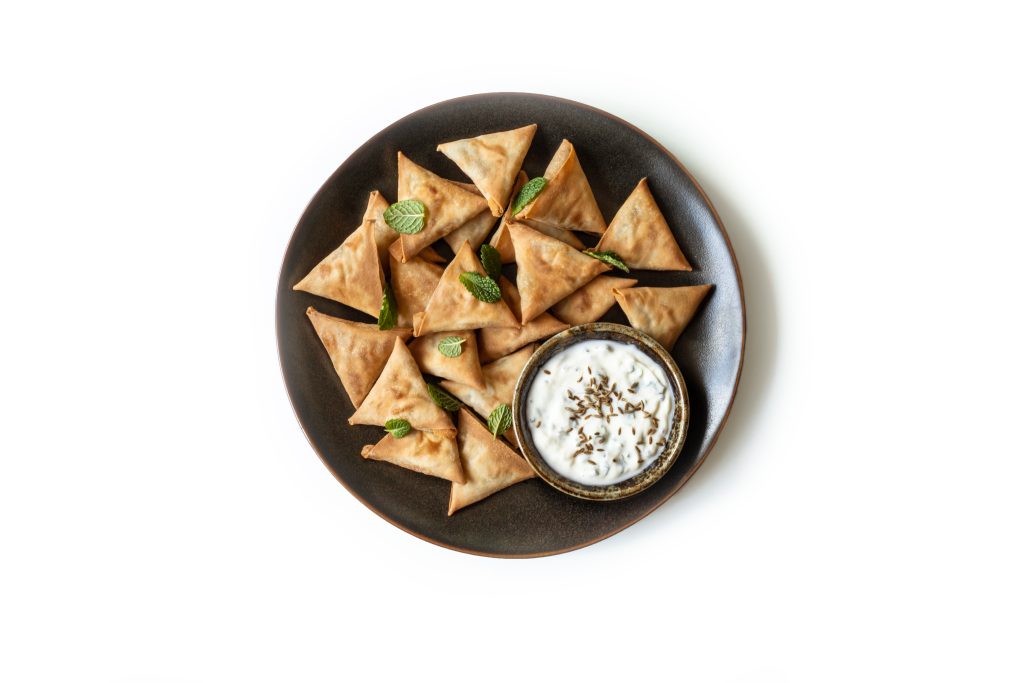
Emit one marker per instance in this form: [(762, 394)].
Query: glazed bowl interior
[(677, 432)]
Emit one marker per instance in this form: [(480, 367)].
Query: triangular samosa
[(662, 312), (433, 453), (448, 206), (500, 379), (412, 283), (487, 463), (588, 303), (640, 235), (453, 306), (475, 230), (400, 392), (383, 235), (491, 161), (358, 351), (495, 342), (502, 241), (351, 274), (464, 368), (567, 202), (548, 270)]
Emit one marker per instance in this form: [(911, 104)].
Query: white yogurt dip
[(600, 411)]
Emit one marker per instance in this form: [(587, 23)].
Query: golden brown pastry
[(491, 161), (351, 274), (567, 202), (662, 312), (358, 351), (400, 392), (588, 303), (464, 368), (487, 463), (640, 235), (475, 230), (412, 283), (448, 206), (433, 453), (500, 379), (453, 306), (495, 342), (383, 235), (548, 270)]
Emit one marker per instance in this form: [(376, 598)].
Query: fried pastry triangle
[(400, 392), (640, 235), (500, 379), (567, 202), (548, 270), (588, 303), (662, 312), (351, 274), (452, 306), (475, 230), (464, 368), (491, 161), (433, 453), (383, 235), (487, 463), (413, 282), (358, 351), (448, 206), (495, 342)]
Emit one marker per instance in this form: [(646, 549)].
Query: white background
[(162, 517)]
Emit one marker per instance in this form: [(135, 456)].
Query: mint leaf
[(388, 316), (451, 347), (609, 257), (481, 286), (407, 217), (443, 398), (500, 420), (528, 194), (491, 260), (397, 427)]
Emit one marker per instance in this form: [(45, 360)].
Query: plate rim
[(739, 368)]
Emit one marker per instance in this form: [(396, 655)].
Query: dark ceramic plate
[(530, 518)]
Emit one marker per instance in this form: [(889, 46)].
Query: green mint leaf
[(609, 257), (528, 194), (451, 347), (443, 398), (481, 286), (407, 217), (500, 420), (491, 260), (388, 316), (397, 427)]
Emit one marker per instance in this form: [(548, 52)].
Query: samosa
[(662, 312)]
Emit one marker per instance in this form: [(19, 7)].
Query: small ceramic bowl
[(677, 434)]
